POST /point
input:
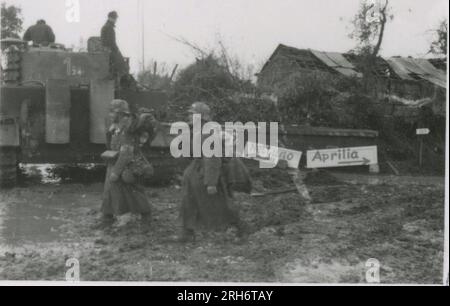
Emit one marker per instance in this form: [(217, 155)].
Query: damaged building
[(421, 84), (404, 84)]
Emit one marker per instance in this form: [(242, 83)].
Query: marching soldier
[(207, 197), (126, 166)]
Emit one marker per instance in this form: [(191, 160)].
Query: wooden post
[(421, 134), (420, 151), (298, 178), (173, 73)]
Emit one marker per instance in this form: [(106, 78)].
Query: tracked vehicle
[(54, 103)]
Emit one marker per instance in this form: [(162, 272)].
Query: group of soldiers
[(208, 183), (41, 34), (207, 189)]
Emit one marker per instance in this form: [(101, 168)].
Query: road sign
[(421, 132), (292, 157), (424, 131), (271, 155), (342, 157)]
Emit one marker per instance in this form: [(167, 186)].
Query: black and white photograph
[(224, 143)]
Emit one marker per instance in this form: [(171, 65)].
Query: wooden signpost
[(421, 133)]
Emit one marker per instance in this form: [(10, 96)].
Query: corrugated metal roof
[(413, 69), (430, 70), (381, 68), (302, 58), (399, 69), (396, 68), (338, 62)]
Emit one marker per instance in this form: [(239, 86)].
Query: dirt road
[(397, 220)]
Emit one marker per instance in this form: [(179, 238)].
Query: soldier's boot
[(146, 220), (187, 235), (105, 222)]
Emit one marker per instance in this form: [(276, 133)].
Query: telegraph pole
[(141, 8)]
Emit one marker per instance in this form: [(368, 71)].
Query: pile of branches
[(157, 76), (214, 79)]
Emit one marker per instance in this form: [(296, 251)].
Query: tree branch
[(383, 21)]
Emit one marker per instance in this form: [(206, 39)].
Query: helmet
[(119, 106), (202, 109), (113, 14)]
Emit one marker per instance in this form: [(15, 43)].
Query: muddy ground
[(353, 217)]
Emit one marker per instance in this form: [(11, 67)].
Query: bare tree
[(439, 44), (157, 75), (369, 25)]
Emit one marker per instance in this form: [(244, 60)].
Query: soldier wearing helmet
[(123, 191), (202, 109), (207, 199)]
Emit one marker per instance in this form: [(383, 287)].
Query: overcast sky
[(251, 29)]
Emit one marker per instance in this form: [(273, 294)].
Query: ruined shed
[(422, 84), (403, 82), (418, 69), (286, 60)]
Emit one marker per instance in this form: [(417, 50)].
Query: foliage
[(354, 111), (303, 95), (156, 76), (369, 25), (204, 80), (246, 108), (439, 45), (231, 98), (12, 21), (307, 97)]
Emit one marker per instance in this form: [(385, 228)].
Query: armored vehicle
[(54, 102)]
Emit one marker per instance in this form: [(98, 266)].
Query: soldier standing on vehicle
[(126, 167), (207, 197), (108, 38), (40, 34)]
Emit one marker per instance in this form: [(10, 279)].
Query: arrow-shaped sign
[(424, 131), (364, 161), (341, 157)]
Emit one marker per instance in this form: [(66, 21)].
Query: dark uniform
[(201, 208), (108, 38), (123, 191), (40, 34), (120, 197)]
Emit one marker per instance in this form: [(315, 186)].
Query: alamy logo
[(373, 271), (210, 139), (73, 273)]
